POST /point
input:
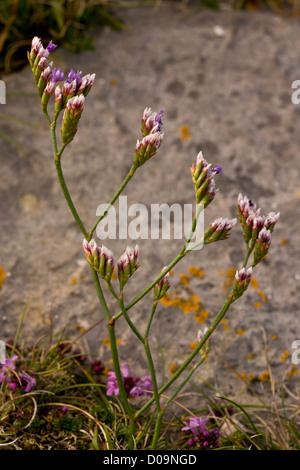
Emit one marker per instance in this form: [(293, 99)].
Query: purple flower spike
[(51, 47), (57, 75)]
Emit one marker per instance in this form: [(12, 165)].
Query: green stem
[(150, 360), (117, 369), (67, 194), (150, 286), (161, 412), (113, 200), (129, 322), (211, 329), (199, 209), (150, 319), (100, 294), (152, 373), (111, 329), (157, 429), (57, 160), (247, 256), (115, 355), (187, 378), (112, 290)]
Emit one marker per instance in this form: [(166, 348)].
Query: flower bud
[(161, 287), (242, 280), (68, 90), (86, 84), (151, 121), (271, 220), (106, 263), (58, 101), (35, 47), (49, 90), (250, 218), (262, 245), (203, 178), (71, 118), (147, 148), (42, 82), (127, 264), (204, 351), (152, 137), (90, 251), (41, 67), (101, 259), (219, 229)]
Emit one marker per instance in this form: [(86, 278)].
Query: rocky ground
[(224, 82)]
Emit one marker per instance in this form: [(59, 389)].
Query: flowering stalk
[(115, 356), (146, 148), (71, 117)]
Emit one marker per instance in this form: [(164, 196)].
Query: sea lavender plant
[(69, 101)]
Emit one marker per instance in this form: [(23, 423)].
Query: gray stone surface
[(227, 76)]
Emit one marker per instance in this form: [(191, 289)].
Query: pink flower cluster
[(134, 385), (15, 379)]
